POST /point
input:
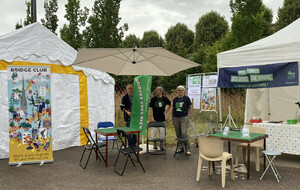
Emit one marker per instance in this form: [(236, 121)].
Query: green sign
[(140, 103)]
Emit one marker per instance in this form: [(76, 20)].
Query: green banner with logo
[(140, 102)]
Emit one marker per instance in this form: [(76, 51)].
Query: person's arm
[(168, 109), (128, 113), (123, 106), (190, 110), (151, 114)]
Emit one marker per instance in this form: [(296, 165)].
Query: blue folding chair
[(108, 124)]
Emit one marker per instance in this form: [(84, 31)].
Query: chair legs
[(84, 166), (199, 168), (97, 151), (223, 168), (257, 157), (272, 165), (128, 156)]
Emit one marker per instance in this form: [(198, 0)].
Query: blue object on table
[(108, 124)]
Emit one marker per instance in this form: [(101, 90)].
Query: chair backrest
[(253, 129), (106, 124), (122, 135), (156, 124), (210, 147), (262, 130), (88, 135)]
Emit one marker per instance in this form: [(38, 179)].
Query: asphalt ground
[(161, 173)]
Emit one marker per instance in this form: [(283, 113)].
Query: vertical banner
[(30, 129), (209, 99), (194, 90), (140, 103)]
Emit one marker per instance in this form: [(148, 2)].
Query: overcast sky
[(141, 15)]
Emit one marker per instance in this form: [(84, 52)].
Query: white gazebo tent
[(273, 103), (80, 97)]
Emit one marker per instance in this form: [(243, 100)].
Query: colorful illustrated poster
[(194, 90), (30, 125), (210, 81), (208, 101)]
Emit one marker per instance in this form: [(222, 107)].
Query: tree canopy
[(210, 28), (179, 40), (76, 18), (103, 31), (288, 13), (51, 19)]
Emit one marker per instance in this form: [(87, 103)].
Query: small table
[(113, 132), (237, 136)]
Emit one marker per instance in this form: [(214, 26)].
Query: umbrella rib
[(104, 57), (154, 63), (170, 57), (128, 58)]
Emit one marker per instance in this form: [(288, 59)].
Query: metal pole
[(33, 11)]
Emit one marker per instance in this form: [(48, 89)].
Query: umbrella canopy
[(133, 61)]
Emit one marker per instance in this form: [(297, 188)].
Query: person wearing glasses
[(126, 107)]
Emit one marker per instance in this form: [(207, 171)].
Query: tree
[(51, 18), (103, 31), (248, 21), (28, 20), (179, 40), (76, 17), (288, 13), (210, 28), (151, 39), (11, 124), (11, 109), (130, 41)]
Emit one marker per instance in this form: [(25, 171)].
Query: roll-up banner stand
[(30, 124)]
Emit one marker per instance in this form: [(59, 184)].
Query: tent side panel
[(256, 104), (66, 110), (4, 146), (100, 101), (282, 103)]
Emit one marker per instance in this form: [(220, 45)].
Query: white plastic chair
[(211, 149), (257, 146)]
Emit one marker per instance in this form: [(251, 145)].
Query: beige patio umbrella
[(133, 61)]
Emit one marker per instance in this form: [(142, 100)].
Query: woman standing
[(182, 107)]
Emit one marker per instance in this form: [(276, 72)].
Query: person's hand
[(152, 119), (129, 113)]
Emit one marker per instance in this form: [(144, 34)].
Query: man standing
[(158, 111), (182, 107), (126, 107)]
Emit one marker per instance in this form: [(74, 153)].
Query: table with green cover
[(113, 132), (237, 136)]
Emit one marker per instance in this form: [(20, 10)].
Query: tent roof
[(35, 40), (282, 46), (35, 43)]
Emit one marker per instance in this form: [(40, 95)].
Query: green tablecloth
[(114, 130), (237, 135)]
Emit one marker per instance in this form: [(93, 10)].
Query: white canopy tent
[(36, 45), (273, 103)]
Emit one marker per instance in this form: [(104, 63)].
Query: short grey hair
[(161, 88), (180, 87)]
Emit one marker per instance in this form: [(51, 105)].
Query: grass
[(200, 120)]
